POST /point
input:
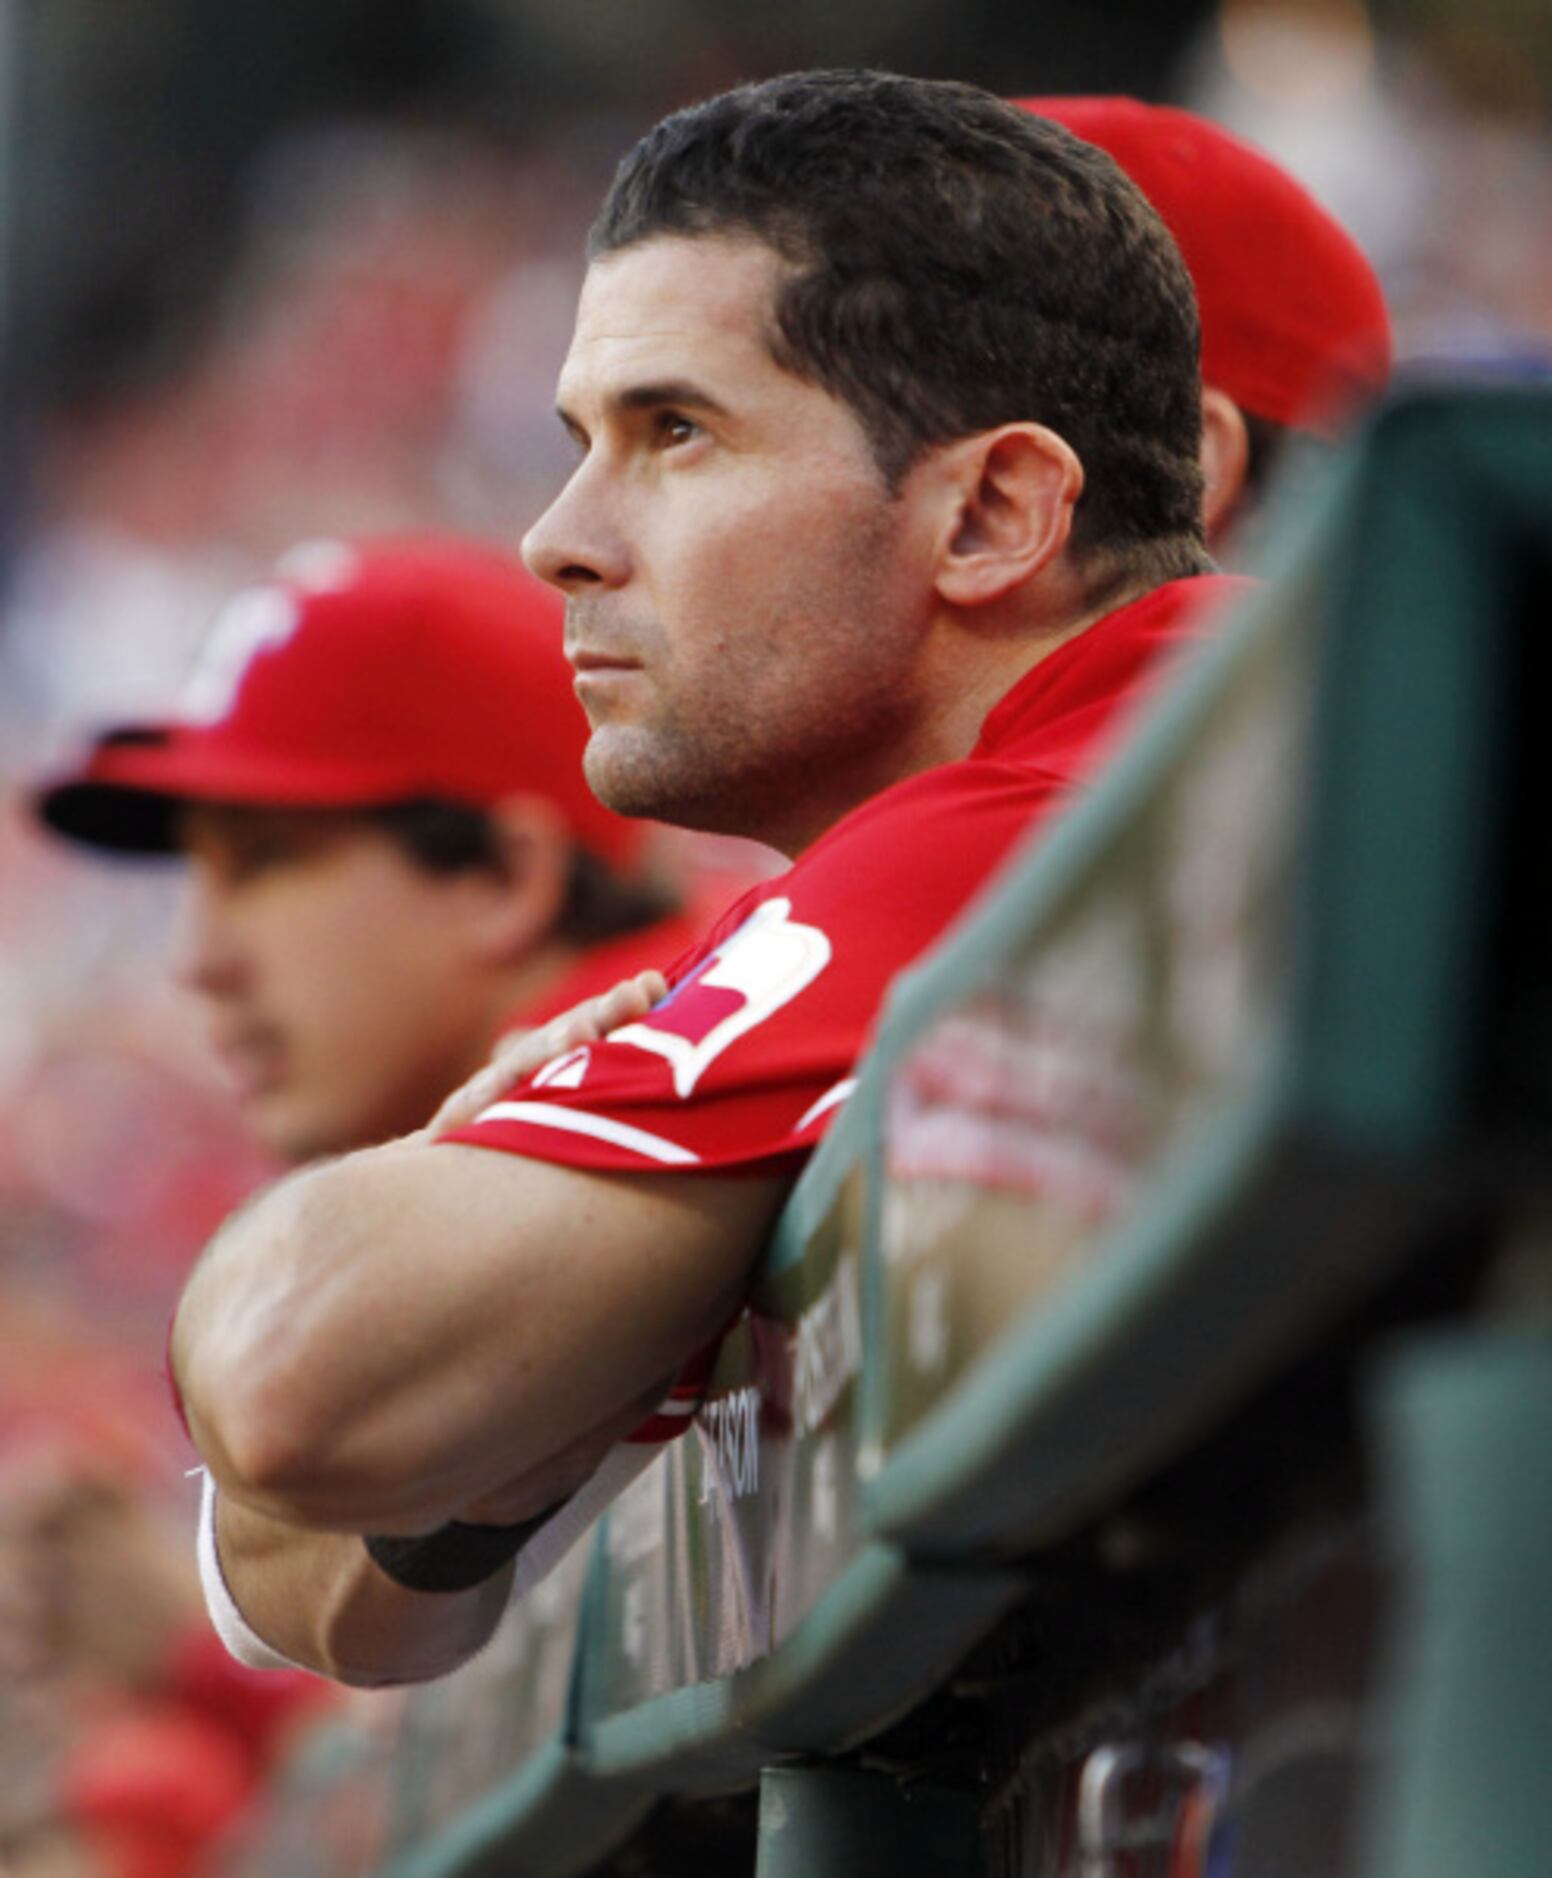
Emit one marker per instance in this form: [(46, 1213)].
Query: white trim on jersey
[(599, 1127), (831, 1099)]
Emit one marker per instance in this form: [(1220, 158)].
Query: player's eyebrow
[(676, 391)]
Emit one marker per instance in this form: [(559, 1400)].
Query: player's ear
[(1225, 458), (521, 895), (1009, 514)]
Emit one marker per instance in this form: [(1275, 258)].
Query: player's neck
[(988, 666), (968, 669)]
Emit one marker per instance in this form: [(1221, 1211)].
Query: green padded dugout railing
[(328, 1808), (743, 1615), (486, 1774), (1463, 1421), (1195, 1075)]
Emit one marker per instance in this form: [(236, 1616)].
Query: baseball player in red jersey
[(375, 785), (1296, 338), (886, 509)]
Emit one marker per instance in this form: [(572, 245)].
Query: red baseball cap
[(362, 673), (1294, 326)]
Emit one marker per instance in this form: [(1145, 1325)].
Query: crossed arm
[(419, 1333)]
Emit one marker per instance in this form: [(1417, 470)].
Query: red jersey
[(745, 1062)]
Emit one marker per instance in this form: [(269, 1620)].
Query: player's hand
[(521, 1052)]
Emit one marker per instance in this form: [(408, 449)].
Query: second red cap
[(1294, 326), (362, 673)]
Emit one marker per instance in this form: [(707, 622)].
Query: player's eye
[(263, 851), (260, 857), (673, 427)]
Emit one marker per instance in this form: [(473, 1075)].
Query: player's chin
[(625, 768), (291, 1132)]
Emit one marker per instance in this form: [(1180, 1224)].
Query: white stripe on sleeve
[(832, 1098), (598, 1127)]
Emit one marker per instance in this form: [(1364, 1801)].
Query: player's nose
[(577, 542), (205, 955)]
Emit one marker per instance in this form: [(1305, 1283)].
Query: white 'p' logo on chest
[(752, 974)]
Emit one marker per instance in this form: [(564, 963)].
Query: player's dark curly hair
[(957, 264)]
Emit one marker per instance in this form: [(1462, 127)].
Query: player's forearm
[(382, 1343), (317, 1598)]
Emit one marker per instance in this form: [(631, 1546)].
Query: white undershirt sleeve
[(538, 1558), (234, 1630)]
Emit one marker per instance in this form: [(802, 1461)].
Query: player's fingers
[(587, 1022), (517, 1055), (522, 1052), (624, 1003), (482, 1088), (642, 991)]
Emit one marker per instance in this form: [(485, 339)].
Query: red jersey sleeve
[(753, 1050)]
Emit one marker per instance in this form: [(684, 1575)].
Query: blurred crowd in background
[(361, 335)]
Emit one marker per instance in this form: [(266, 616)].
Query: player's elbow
[(262, 1430), (258, 1362), (264, 1443)]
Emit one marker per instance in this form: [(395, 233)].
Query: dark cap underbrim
[(127, 796), (115, 816), (119, 797)]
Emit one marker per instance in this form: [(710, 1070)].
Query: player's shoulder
[(891, 872), (928, 815), (916, 850)]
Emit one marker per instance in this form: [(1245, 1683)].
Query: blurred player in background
[(375, 785), (1296, 339)]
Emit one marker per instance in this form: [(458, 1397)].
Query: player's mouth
[(253, 1058), (586, 664), (599, 678)]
